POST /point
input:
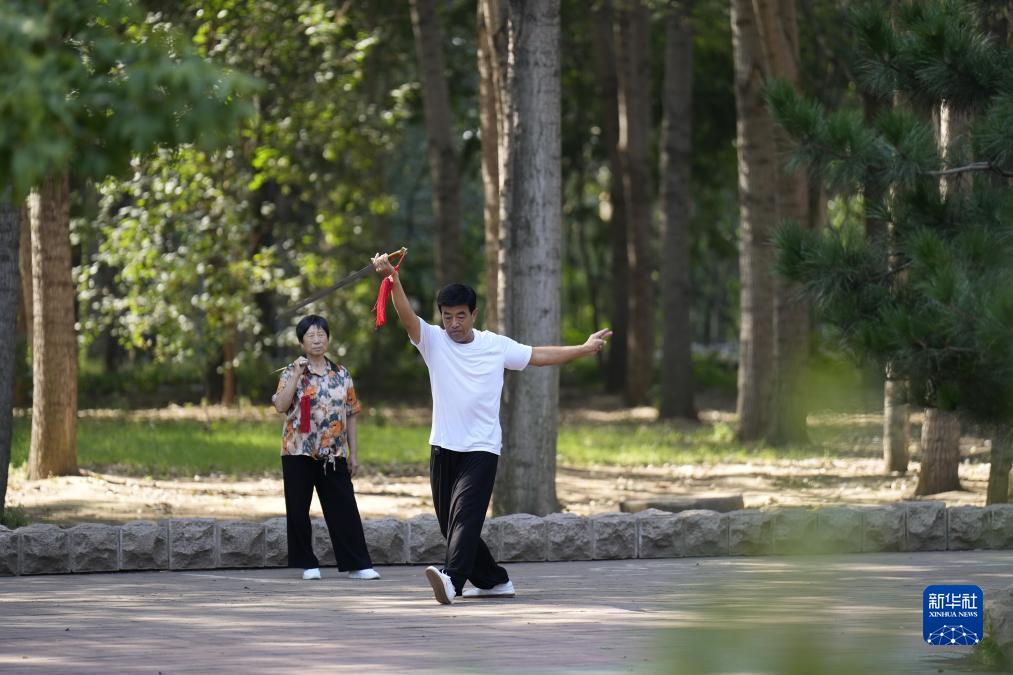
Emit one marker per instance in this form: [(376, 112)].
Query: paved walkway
[(848, 614)]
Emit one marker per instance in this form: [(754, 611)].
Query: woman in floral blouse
[(319, 448)]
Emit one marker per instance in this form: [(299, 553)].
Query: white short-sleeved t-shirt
[(467, 384)]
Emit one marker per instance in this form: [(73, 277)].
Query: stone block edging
[(205, 543)]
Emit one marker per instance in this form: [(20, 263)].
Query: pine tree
[(936, 301)]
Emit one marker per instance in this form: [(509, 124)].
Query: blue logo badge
[(953, 616)]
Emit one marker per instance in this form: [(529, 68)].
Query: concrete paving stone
[(425, 542), (490, 535), (657, 533), (701, 533), (1000, 526), (750, 532), (322, 546), (883, 528), (387, 540), (192, 543), (94, 548), (44, 550), (838, 530), (570, 536), (795, 531), (615, 536), (967, 528), (522, 537), (926, 526), (240, 544), (144, 545), (275, 542), (9, 542)]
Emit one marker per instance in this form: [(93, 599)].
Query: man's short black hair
[(457, 294), (308, 322)]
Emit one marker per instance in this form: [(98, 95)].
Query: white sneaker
[(368, 573), (313, 573), (443, 587), (505, 590)]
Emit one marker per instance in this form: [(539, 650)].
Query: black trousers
[(462, 487), (337, 499)]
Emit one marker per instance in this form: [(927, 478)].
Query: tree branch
[(973, 166)]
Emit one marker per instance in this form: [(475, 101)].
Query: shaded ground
[(847, 614), (849, 473)]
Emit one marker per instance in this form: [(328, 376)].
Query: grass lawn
[(180, 448)]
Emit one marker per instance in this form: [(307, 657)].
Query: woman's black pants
[(462, 487), (301, 474)]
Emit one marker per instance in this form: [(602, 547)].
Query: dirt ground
[(98, 497)]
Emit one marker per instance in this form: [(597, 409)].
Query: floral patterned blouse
[(332, 402)]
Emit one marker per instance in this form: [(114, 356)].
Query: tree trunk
[(941, 440), (896, 412), (10, 289), (1000, 466), (605, 68), (443, 157), (214, 378), (25, 265), (496, 14), (940, 453), (22, 380), (676, 341), (896, 425), (778, 30), (54, 346), (633, 66), (229, 372), (532, 212), (757, 213), (491, 36)]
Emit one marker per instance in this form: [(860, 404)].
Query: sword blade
[(350, 279)]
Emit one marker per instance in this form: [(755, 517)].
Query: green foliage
[(206, 248), (14, 517), (93, 84), (933, 307)]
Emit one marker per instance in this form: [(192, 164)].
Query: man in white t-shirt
[(466, 376)]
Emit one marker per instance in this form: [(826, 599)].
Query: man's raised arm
[(405, 314)]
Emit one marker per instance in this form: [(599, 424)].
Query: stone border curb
[(204, 543)]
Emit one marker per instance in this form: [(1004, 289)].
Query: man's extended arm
[(554, 356), (405, 313)]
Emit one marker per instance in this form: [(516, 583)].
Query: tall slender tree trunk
[(940, 440), (443, 156), (633, 66), (54, 350), (605, 68), (778, 29), (10, 290), (676, 342), (496, 14), (896, 412), (229, 372), (896, 424), (22, 381), (532, 213), (1000, 466), (25, 266), (757, 213), (940, 452), (491, 42)]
